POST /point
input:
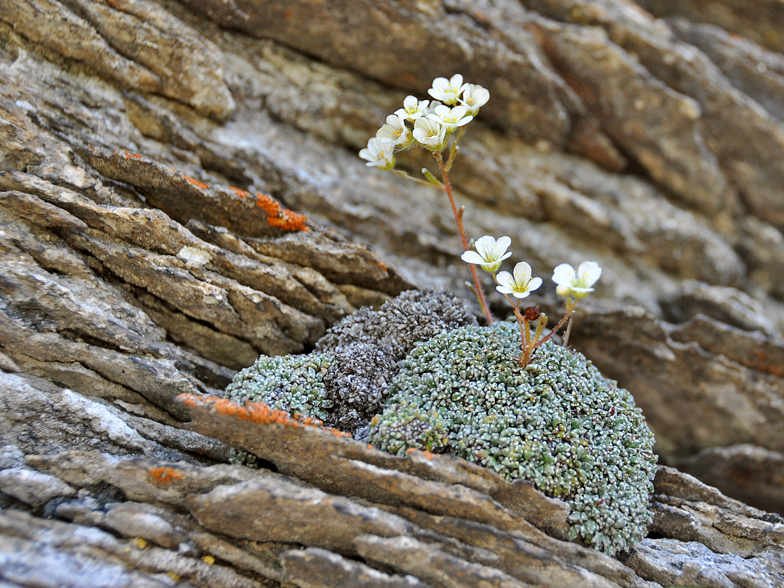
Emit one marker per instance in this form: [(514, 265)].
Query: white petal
[(506, 280), (484, 245), (456, 81), (472, 257), (410, 102), (522, 273), (589, 272), (564, 274), (458, 112), (534, 284), (519, 294), (504, 242), (504, 290)]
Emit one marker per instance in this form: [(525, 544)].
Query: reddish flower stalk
[(459, 220)]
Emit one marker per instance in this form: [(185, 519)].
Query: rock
[(759, 24), (689, 510), (432, 564), (33, 488), (180, 193), (755, 71), (55, 553), (672, 562), (727, 305), (430, 547), (666, 150), (314, 567), (671, 376), (382, 477), (752, 474)]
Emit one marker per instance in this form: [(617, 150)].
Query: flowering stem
[(459, 220), (556, 329), (454, 148), (568, 329), (417, 180), (525, 333)]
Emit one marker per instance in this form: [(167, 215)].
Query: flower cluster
[(571, 284), (431, 122)]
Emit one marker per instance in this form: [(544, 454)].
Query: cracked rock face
[(180, 194)]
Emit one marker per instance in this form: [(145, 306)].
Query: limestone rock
[(180, 193)]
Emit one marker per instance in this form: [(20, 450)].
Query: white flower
[(451, 117), (576, 283), (474, 97), (521, 284), (412, 108), (395, 131), (379, 153), (430, 134), (431, 108), (489, 252), (447, 91)]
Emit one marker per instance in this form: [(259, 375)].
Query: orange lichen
[(196, 182), (256, 412), (426, 454), (268, 204), (164, 475), (239, 192), (382, 265), (289, 221), (288, 14)]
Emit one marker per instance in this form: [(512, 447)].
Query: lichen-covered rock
[(400, 323), (558, 423)]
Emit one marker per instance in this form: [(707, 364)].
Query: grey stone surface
[(316, 568), (33, 488), (156, 158)]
